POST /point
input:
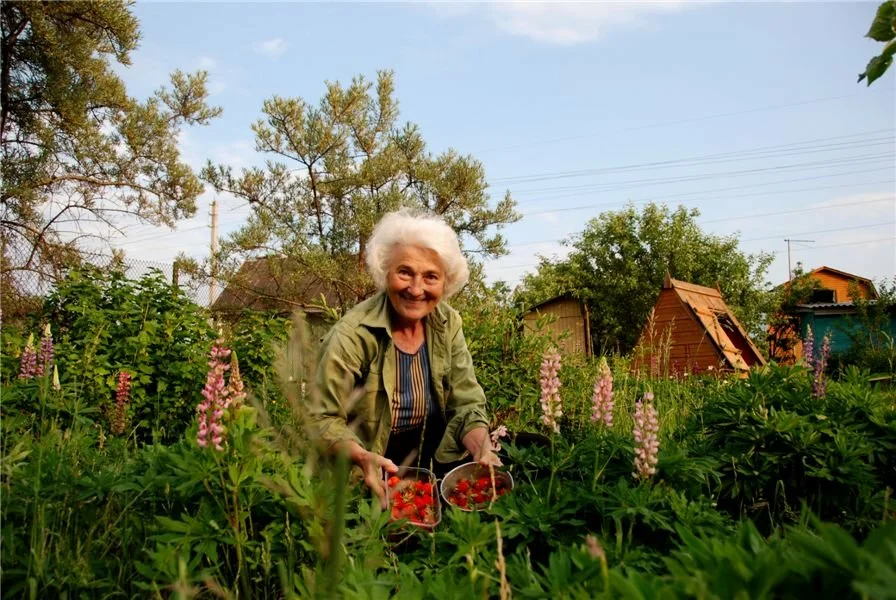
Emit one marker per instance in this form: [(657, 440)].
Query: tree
[(78, 153), (883, 29), (618, 263), (335, 168)]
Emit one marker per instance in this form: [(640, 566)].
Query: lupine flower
[(602, 401), (215, 399), (594, 547), (45, 354), (550, 390), (28, 367), (235, 388), (56, 385), (819, 380), (120, 412), (647, 444), (496, 436), (809, 347)]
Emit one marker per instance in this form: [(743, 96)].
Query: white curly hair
[(407, 227)]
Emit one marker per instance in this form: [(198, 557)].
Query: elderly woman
[(395, 378)]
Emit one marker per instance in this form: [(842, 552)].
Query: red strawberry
[(463, 485), (393, 481)]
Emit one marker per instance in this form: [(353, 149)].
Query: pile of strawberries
[(414, 500), (477, 493)]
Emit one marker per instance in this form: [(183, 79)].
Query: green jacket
[(356, 379)]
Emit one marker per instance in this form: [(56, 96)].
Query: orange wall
[(840, 285)]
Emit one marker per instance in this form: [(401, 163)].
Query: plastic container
[(408, 477), (473, 471)]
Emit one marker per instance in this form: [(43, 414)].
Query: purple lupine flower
[(809, 347), (496, 435), (602, 400), (45, 353), (215, 398), (28, 367), (551, 406), (647, 443), (120, 412), (819, 381)]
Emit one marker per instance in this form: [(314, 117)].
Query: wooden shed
[(692, 330), (571, 327), (274, 284)]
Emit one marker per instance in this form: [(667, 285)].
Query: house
[(692, 330), (571, 325), (830, 308), (275, 284)]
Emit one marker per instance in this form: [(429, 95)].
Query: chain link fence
[(22, 289)]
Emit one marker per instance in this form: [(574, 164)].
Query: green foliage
[(107, 324), (356, 164), (777, 446), (75, 146), (92, 516), (870, 332), (619, 262), (883, 29)]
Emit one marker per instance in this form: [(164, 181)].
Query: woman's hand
[(372, 466), (479, 444)]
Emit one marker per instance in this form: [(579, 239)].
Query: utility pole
[(789, 270), (213, 283)]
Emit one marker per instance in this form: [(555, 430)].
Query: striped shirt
[(413, 391)]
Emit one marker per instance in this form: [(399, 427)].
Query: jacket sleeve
[(338, 368), (465, 403)]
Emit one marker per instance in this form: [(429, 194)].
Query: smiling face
[(415, 282)]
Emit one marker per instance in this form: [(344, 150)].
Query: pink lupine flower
[(496, 435), (235, 388), (215, 398), (809, 347), (28, 367), (120, 412), (45, 353), (594, 547), (602, 401), (550, 390), (821, 361), (645, 431)]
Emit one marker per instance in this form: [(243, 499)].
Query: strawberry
[(393, 481)]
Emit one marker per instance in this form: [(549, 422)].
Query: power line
[(794, 148), (758, 215), (776, 252), (685, 195), (807, 166), (756, 239), (682, 121)]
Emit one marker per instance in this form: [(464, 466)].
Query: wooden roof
[(273, 283), (711, 312)]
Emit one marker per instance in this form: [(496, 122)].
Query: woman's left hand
[(479, 444)]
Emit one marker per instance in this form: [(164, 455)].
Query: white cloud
[(567, 23), (273, 47)]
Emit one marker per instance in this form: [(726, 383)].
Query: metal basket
[(417, 474), (470, 470)]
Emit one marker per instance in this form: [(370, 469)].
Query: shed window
[(823, 295)]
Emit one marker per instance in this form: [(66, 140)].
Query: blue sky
[(554, 98)]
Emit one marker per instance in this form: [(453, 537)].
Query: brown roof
[(273, 283), (710, 309)]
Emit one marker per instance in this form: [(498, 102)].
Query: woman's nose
[(416, 287)]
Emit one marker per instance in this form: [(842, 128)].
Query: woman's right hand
[(372, 466)]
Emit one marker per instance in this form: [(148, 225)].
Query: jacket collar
[(377, 315)]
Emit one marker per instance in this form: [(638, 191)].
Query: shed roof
[(273, 283), (716, 319)]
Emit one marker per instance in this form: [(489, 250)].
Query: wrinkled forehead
[(419, 258)]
